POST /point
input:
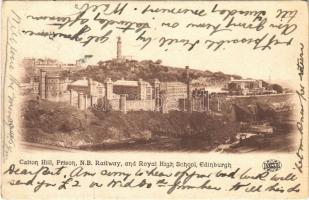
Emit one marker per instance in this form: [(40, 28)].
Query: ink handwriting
[(68, 177), (92, 24)]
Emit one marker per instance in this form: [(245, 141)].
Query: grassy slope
[(64, 125)]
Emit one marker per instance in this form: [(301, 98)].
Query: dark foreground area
[(276, 143), (65, 127)]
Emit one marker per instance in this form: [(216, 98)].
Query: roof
[(215, 90), (47, 66), (244, 80), (51, 75), (126, 83), (80, 83), (172, 84)]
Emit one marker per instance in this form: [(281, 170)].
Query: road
[(28, 147)]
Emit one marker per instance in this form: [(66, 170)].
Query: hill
[(149, 70)]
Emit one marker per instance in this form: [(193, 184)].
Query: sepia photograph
[(126, 104)]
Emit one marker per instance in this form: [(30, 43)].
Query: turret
[(142, 85), (188, 88), (42, 90), (109, 89), (156, 91)]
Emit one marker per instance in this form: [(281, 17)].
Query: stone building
[(173, 96), (125, 95), (177, 90), (134, 90), (54, 66), (245, 86), (120, 95), (52, 86), (30, 88), (85, 93)]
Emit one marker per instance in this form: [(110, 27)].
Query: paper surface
[(154, 100)]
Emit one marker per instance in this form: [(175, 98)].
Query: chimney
[(187, 73)]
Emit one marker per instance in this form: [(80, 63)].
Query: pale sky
[(278, 63)]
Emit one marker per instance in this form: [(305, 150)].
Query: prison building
[(134, 90), (245, 86), (173, 96), (85, 93), (52, 86), (30, 88)]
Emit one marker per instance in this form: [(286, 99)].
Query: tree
[(100, 63), (159, 62), (277, 88)]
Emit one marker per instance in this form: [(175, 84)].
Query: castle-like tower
[(42, 85), (188, 88), (119, 48)]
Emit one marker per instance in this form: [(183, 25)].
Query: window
[(100, 90)]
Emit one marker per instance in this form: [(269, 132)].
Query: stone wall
[(140, 105), (114, 103)]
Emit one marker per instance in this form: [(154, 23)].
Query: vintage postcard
[(154, 100)]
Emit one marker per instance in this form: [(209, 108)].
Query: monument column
[(119, 48)]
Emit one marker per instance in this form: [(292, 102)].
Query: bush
[(64, 124), (277, 88)]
